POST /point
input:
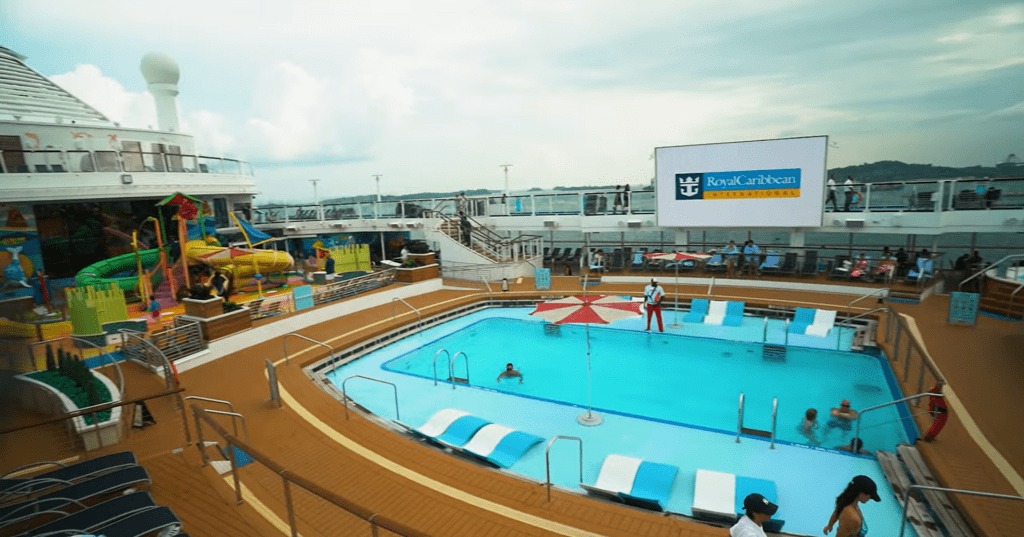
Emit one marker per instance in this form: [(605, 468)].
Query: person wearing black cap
[(759, 510), (847, 512)]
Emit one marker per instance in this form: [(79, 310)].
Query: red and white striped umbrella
[(228, 253), (587, 309), (676, 256)]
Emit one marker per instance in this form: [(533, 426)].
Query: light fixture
[(634, 223), (550, 223), (411, 225), (126, 179), (291, 228), (338, 225), (395, 224)]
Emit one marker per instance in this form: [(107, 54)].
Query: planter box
[(224, 324), (417, 274), (204, 309), (423, 260), (47, 400)]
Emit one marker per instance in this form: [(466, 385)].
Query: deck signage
[(768, 183)]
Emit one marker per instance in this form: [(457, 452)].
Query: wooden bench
[(939, 502)]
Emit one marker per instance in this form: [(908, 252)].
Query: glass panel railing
[(106, 161), (986, 194), (882, 197), (230, 166), (209, 165), (557, 203), (642, 202), (154, 162), (189, 163)]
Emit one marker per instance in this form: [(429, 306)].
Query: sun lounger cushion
[(143, 523), (716, 312), (734, 313), (73, 472), (803, 318), (634, 481), (823, 322), (499, 445), (448, 426), (719, 496), (438, 423), (101, 485), (100, 514), (698, 309)]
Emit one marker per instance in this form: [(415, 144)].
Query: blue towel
[(653, 481), (512, 447), (459, 432)]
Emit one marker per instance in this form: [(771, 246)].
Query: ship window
[(13, 156), (131, 155)]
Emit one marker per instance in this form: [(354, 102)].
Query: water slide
[(242, 264), (104, 271)]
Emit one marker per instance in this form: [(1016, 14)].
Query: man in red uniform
[(652, 301), (937, 406)]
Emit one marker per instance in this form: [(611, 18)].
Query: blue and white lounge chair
[(499, 445), (719, 496), (734, 313), (716, 312), (803, 318), (824, 320), (449, 426), (634, 481), (698, 309), (65, 474)]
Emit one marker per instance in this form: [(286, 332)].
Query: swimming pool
[(667, 398)]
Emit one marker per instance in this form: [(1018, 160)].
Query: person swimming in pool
[(843, 416), (809, 425), (510, 372)]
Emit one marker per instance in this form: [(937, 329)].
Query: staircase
[(999, 299), (930, 512), (774, 353), (163, 292), (488, 244)]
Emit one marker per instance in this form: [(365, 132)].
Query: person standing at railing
[(940, 412), (832, 193), (625, 199), (850, 192), (466, 226)]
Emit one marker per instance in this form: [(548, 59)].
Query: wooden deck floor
[(442, 495)]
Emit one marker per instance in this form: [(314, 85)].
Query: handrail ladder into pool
[(345, 397), (547, 459), (860, 414), (447, 355), (451, 370), (284, 341), (740, 429), (419, 316)]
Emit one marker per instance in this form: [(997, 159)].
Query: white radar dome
[(159, 68)]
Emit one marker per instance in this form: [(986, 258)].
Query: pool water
[(667, 398), (671, 378)]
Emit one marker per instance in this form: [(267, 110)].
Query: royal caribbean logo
[(784, 183)]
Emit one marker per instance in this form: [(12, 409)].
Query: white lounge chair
[(716, 312), (719, 496), (634, 481), (499, 445), (824, 320)]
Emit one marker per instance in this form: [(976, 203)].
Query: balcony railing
[(103, 161)]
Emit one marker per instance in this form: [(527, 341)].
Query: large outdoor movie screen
[(767, 183)]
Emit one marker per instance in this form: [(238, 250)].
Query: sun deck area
[(378, 471)]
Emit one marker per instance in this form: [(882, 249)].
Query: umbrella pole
[(588, 418), (675, 316)]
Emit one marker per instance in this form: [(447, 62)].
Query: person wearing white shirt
[(832, 193), (848, 186), (653, 294), (759, 510)]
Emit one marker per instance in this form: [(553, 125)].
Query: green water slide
[(104, 271)]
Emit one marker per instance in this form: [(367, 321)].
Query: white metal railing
[(547, 459), (860, 414), (906, 498), (284, 341), (344, 395)]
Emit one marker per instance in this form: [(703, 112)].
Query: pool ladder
[(740, 429), (452, 360), (773, 352)]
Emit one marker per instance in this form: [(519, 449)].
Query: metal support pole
[(234, 472), (739, 424), (906, 498), (184, 419), (291, 508), (199, 434)]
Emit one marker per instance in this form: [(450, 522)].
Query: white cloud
[(107, 95)]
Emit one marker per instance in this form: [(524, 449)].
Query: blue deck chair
[(803, 318), (634, 481), (101, 514), (160, 519), (499, 445), (449, 426), (734, 313), (698, 309), (109, 483), (64, 474), (771, 263)]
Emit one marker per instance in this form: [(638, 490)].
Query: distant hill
[(882, 171), (894, 170)]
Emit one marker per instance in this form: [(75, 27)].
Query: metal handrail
[(245, 426), (764, 334), (449, 355), (739, 425), (345, 397), (451, 368), (858, 299), (988, 268), (487, 285), (865, 314), (775, 414), (419, 316), (1015, 291), (786, 340), (311, 340), (219, 401), (906, 498), (860, 414), (547, 458), (168, 368)]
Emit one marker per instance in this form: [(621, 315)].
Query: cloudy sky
[(435, 95)]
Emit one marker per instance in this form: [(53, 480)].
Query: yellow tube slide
[(243, 266)]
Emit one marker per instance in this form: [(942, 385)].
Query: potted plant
[(201, 302)]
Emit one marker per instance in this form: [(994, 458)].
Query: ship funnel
[(161, 73)]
